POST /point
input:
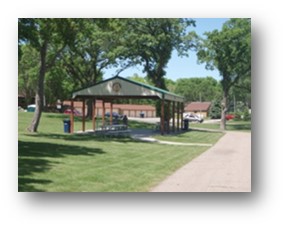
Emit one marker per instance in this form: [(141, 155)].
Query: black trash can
[(67, 126), (142, 115), (185, 124)]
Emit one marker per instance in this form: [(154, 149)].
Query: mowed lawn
[(52, 161), (231, 125), (193, 136)]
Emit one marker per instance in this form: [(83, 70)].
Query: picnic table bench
[(115, 130)]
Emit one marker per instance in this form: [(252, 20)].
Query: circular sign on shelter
[(117, 87)]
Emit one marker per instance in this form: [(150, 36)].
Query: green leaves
[(228, 50), (150, 42), (198, 89)]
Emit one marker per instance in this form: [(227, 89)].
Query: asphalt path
[(225, 167)]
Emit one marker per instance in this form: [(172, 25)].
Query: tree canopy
[(57, 56), (149, 42), (48, 37), (198, 89), (228, 50), (75, 52)]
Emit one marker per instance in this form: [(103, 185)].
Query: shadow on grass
[(82, 137), (33, 157), (203, 130), (92, 136)]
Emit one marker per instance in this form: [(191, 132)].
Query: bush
[(215, 110), (246, 115), (238, 116), (243, 115)]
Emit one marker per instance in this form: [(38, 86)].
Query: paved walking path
[(146, 135), (225, 167), (150, 139)]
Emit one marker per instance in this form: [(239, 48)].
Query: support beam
[(181, 115), (83, 115), (103, 113), (111, 112), (72, 117), (168, 116), (93, 114), (173, 116), (177, 108), (162, 118)]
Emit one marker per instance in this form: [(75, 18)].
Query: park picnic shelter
[(117, 87)]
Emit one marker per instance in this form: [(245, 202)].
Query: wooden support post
[(173, 116), (168, 116), (72, 117), (111, 113), (162, 118), (83, 115), (181, 115), (103, 114), (93, 115), (177, 108)]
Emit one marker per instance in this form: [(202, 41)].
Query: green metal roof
[(133, 89), (150, 87)]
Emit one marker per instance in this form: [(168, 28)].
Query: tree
[(228, 50), (241, 91), (215, 109), (170, 85), (28, 68), (48, 37), (198, 89), (150, 42), (58, 84), (96, 46)]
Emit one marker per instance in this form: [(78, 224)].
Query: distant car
[(193, 118), (115, 115), (229, 116), (76, 112)]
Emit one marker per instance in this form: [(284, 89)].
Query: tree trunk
[(39, 99), (89, 109), (223, 111)]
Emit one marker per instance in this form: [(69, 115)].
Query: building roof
[(119, 87), (198, 106)]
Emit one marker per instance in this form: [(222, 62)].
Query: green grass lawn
[(52, 161), (193, 136), (230, 125)]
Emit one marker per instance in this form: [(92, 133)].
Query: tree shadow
[(83, 137), (205, 130), (33, 157)]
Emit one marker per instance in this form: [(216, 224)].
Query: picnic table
[(115, 127), (115, 130)]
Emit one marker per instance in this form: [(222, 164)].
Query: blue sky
[(182, 67)]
